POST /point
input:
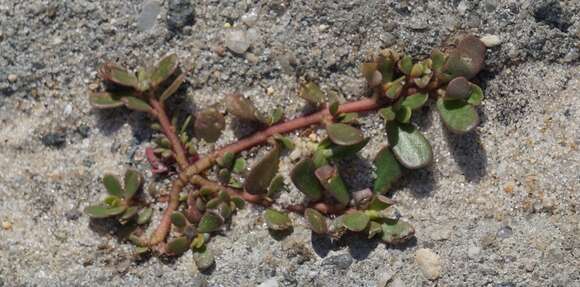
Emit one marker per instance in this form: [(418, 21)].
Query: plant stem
[(188, 174), (169, 131)]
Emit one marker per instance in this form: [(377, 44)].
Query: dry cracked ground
[(499, 206)]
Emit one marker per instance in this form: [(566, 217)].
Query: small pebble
[(237, 41), (473, 251), (461, 8), (429, 262), (504, 232), (251, 18), (397, 282), (342, 261), (6, 225), (491, 40), (441, 233), (385, 278), (269, 283), (322, 27), (12, 78), (148, 15), (54, 139)]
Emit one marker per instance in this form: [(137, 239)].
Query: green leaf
[(164, 69), (104, 211), (105, 100), (129, 213), (388, 170), (356, 221), (238, 202), (144, 216), (276, 185), (225, 210), (387, 114), (203, 258), (172, 88), (467, 59), (276, 116), (458, 88), (113, 185), (331, 180), (263, 172), (348, 118), (285, 141), (410, 147), (340, 151), (242, 108), (343, 134), (239, 166), (417, 70), (303, 177), (423, 81), (116, 74), (380, 202), (312, 93), (406, 64), (458, 116), (133, 180), (398, 232), (475, 95), (386, 65), (374, 229), (333, 108), (369, 71), (277, 220), (316, 221), (136, 104), (209, 125), (415, 101), (209, 222), (178, 245), (395, 88), (437, 60), (178, 219), (226, 160), (403, 114), (320, 157)]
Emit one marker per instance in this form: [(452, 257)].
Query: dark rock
[(506, 284), (180, 13), (83, 130), (72, 214), (54, 139), (550, 12), (342, 261)]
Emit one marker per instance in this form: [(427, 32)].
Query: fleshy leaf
[(105, 100), (406, 64), (178, 219), (312, 93), (380, 202), (397, 232), (133, 180), (263, 172), (209, 222), (104, 211), (316, 221), (403, 114), (333, 108), (276, 185), (116, 74), (203, 258), (112, 185), (374, 229), (386, 65), (242, 108), (178, 245), (172, 88), (276, 116), (331, 180), (388, 170), (144, 216), (369, 71), (129, 213), (209, 124), (458, 116), (277, 220), (136, 104), (239, 166), (340, 151), (164, 69), (344, 135), (467, 59), (437, 60), (356, 221), (476, 95), (227, 160), (458, 88), (303, 177), (410, 147), (417, 70), (415, 101), (395, 88), (387, 114)]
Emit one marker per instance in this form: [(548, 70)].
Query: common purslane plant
[(198, 206)]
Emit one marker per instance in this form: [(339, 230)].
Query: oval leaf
[(304, 179), (356, 221), (458, 116), (113, 185), (316, 221), (312, 93), (410, 147), (332, 182), (136, 104), (380, 202), (475, 96), (164, 69), (172, 88), (397, 232), (105, 100), (209, 222), (415, 101), (129, 213), (467, 59), (263, 172), (203, 258), (343, 134), (178, 219), (277, 220), (242, 108), (104, 211), (388, 170), (133, 180), (178, 245), (113, 73), (209, 125), (145, 215), (458, 88)]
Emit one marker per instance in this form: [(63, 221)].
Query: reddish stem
[(169, 131)]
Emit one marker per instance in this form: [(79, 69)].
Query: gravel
[(519, 169)]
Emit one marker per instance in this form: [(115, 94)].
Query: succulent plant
[(199, 207)]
